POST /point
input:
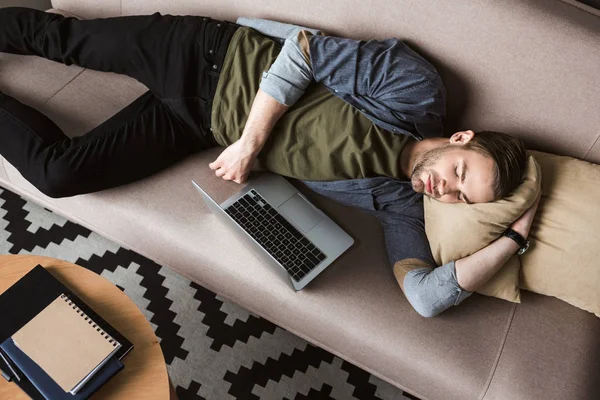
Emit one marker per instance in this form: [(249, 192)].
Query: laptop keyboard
[(275, 234)]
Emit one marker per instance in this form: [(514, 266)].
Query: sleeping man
[(357, 121)]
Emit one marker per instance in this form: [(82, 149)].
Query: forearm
[(264, 114), (280, 88), (475, 270)]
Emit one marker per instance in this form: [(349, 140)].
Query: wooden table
[(145, 373)]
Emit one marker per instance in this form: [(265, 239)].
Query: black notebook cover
[(48, 387), (32, 293), (24, 384)]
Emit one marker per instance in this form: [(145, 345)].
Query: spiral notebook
[(66, 343)]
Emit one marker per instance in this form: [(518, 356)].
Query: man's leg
[(171, 55), (159, 51), (140, 140)]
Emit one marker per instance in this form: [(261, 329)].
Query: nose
[(444, 189)]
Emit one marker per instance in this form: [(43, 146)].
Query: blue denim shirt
[(397, 206), (393, 86), (388, 82)]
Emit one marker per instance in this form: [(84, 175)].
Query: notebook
[(66, 343), (44, 385), (18, 307)]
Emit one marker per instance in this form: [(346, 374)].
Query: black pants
[(178, 58)]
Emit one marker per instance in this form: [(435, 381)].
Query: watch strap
[(520, 240)]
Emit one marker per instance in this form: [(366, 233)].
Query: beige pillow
[(564, 258), (456, 231)]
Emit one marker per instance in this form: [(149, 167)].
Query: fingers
[(241, 179), (237, 178), (220, 172), (219, 168), (224, 174), (218, 163), (227, 173), (215, 164)]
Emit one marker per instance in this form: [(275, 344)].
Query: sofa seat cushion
[(553, 347), (34, 80)]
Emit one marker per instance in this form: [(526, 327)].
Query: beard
[(427, 160)]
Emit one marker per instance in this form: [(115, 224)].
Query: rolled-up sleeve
[(290, 74), (428, 288)]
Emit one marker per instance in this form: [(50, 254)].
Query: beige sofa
[(526, 67)]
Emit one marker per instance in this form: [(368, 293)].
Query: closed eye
[(462, 179)]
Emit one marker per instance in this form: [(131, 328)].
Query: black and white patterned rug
[(213, 348)]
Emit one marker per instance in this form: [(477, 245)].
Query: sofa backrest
[(525, 67)]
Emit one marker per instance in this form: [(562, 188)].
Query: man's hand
[(475, 270), (523, 224), (235, 162)]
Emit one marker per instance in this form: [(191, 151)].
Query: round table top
[(145, 373)]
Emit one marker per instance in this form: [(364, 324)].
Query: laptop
[(282, 228)]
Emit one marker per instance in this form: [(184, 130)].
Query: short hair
[(509, 155)]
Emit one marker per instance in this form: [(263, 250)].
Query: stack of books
[(52, 345)]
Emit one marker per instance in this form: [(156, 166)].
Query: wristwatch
[(521, 241)]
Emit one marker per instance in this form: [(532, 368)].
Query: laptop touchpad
[(302, 214)]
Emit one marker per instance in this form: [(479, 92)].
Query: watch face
[(523, 249)]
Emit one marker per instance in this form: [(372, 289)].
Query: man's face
[(453, 174)]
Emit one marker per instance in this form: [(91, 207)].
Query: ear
[(462, 137)]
